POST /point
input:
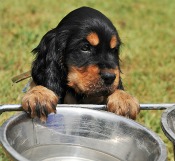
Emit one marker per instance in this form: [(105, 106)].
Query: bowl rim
[(7, 147), (165, 126), (3, 138)]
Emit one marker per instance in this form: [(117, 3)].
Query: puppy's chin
[(106, 91), (101, 93)]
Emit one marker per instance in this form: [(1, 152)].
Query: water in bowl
[(65, 152)]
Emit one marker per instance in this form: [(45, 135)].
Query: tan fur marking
[(39, 94), (123, 104), (82, 79), (113, 42), (93, 39), (88, 80)]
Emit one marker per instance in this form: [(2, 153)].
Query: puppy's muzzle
[(108, 78)]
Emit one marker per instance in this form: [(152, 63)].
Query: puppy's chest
[(71, 98)]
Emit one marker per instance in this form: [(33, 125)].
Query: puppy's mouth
[(94, 89), (99, 88), (89, 81)]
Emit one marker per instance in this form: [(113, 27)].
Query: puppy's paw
[(123, 104), (40, 101)]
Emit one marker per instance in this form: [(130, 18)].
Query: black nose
[(108, 78)]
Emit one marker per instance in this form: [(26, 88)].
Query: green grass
[(146, 28)]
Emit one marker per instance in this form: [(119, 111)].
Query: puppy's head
[(92, 53), (81, 52)]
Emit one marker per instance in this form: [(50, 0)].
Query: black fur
[(66, 45)]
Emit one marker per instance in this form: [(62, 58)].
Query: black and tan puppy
[(78, 63)]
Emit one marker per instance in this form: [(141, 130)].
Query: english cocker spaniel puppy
[(78, 63)]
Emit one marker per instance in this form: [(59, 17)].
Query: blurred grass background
[(146, 27)]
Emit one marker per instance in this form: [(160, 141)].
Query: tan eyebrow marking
[(113, 42), (93, 39)]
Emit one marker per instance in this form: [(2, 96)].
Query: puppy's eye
[(85, 48)]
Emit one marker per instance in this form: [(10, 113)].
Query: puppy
[(78, 63)]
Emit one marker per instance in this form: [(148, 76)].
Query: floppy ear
[(48, 68)]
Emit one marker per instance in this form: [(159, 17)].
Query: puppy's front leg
[(123, 104), (40, 101)]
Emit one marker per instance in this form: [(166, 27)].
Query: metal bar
[(156, 106), (10, 107), (18, 107)]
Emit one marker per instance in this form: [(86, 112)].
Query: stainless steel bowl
[(168, 124), (77, 134)]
